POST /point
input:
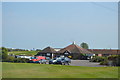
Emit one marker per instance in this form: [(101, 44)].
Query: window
[(48, 54), (66, 53)]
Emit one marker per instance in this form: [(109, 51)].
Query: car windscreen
[(33, 58)]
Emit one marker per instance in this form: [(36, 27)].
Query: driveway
[(85, 63)]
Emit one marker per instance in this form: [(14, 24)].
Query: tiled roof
[(48, 50), (73, 48), (104, 51)]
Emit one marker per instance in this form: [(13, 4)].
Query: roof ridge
[(82, 49), (50, 49), (77, 47)]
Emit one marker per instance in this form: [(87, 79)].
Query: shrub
[(10, 59), (16, 60), (115, 60), (98, 59), (105, 62), (21, 60), (24, 60), (4, 53)]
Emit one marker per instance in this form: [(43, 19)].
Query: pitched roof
[(73, 48), (48, 50), (105, 51)]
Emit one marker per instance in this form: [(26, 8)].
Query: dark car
[(60, 60)]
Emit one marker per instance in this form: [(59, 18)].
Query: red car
[(37, 59)]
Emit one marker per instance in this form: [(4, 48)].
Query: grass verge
[(29, 70)]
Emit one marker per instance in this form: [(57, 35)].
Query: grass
[(30, 70), (23, 52)]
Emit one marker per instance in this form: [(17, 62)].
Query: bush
[(6, 58), (4, 53), (21, 60), (105, 62), (98, 59), (115, 60), (16, 60), (10, 59)]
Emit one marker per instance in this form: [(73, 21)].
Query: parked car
[(60, 60), (37, 59), (47, 58), (43, 61)]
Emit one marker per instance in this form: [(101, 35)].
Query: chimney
[(73, 42)]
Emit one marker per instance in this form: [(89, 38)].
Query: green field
[(30, 70), (29, 53)]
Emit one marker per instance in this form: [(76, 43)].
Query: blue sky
[(0, 23), (57, 24)]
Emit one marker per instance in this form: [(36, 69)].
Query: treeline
[(11, 49)]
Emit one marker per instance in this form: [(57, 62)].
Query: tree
[(84, 45), (4, 53)]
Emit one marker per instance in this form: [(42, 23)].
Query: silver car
[(60, 60), (43, 61)]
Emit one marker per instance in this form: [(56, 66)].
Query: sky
[(57, 24), (0, 23)]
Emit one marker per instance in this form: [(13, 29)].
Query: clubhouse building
[(76, 52)]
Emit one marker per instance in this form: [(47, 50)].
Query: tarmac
[(85, 63)]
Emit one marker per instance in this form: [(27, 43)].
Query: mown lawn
[(30, 70), (23, 52)]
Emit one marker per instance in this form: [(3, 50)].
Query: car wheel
[(62, 63), (68, 63)]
